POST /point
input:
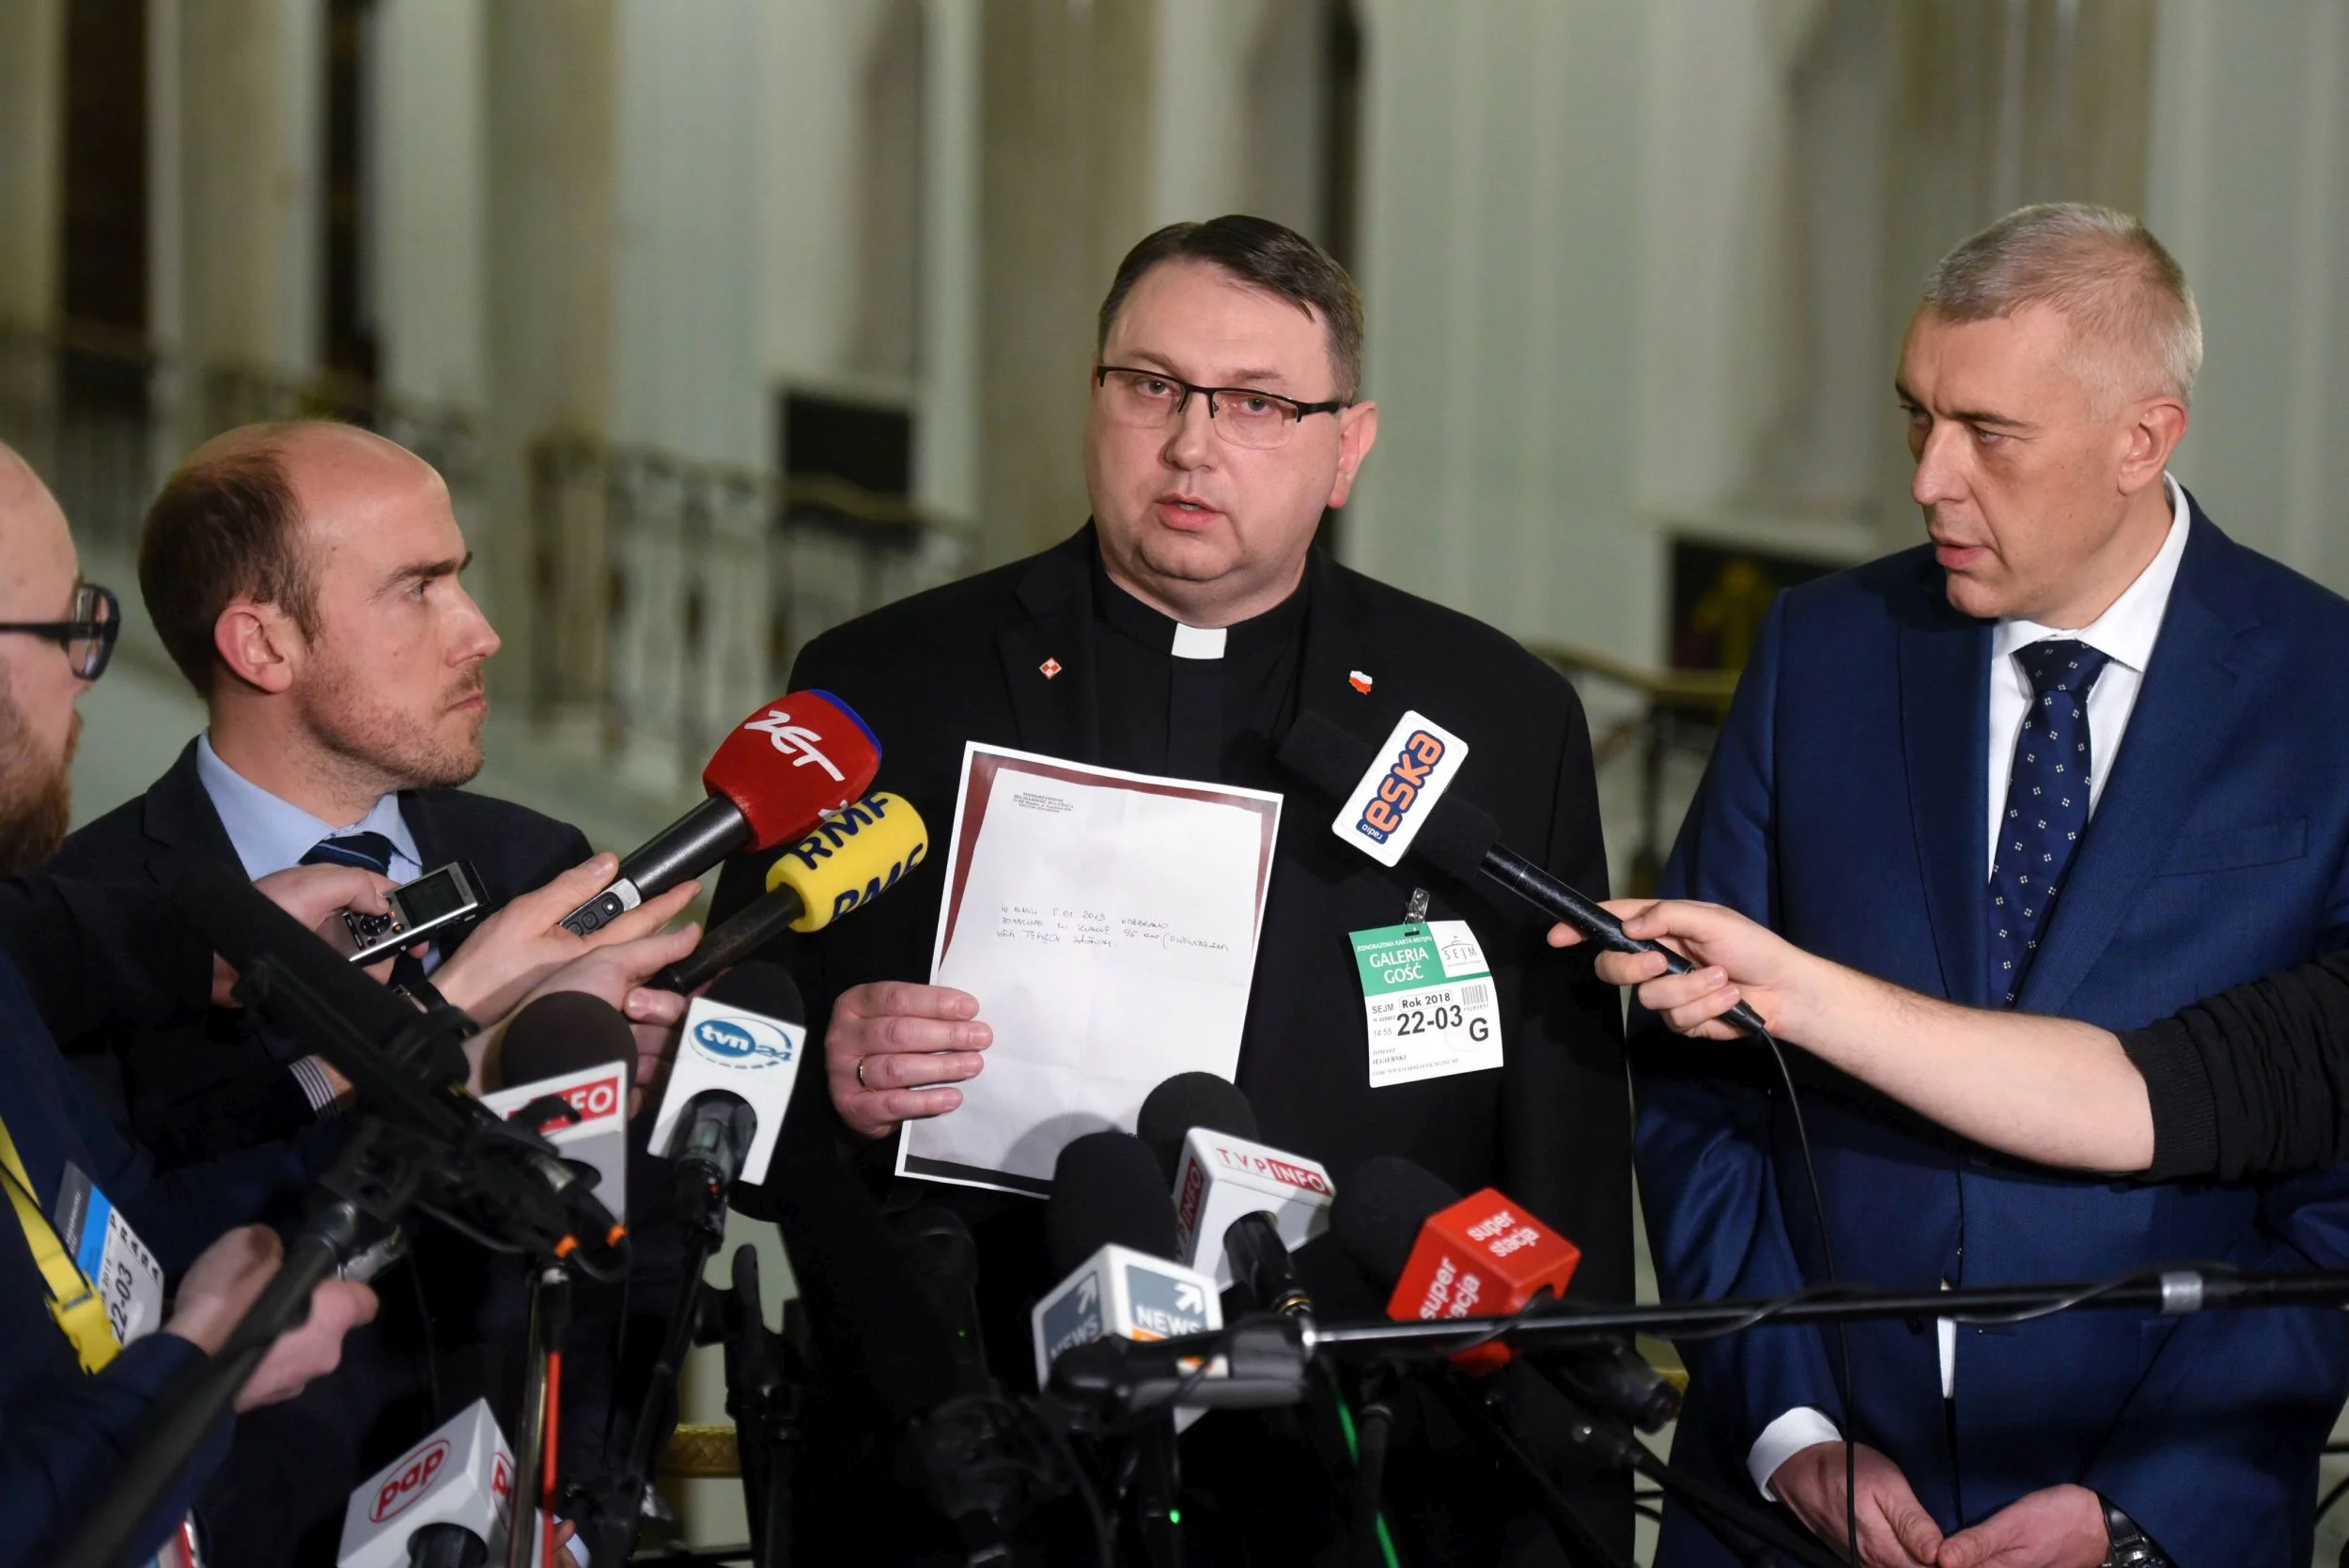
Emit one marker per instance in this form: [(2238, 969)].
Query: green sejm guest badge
[(1427, 994)]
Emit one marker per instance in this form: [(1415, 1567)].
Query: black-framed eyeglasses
[(1152, 400), (88, 638)]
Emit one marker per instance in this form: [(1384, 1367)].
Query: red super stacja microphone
[(1450, 1258), (775, 776)]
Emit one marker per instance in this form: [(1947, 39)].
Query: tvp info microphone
[(571, 1059), (773, 778), (1241, 1206)]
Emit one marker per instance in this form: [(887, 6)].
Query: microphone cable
[(1833, 1282)]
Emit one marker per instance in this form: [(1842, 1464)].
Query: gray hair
[(2126, 297)]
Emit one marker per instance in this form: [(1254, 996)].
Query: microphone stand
[(1476, 1410), (375, 1178), (766, 1402), (622, 1502), (535, 1457)]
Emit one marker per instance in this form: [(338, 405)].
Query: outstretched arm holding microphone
[(2252, 1082)]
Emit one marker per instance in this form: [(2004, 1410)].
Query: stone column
[(249, 98), (32, 159), (1068, 101), (32, 169), (551, 80)]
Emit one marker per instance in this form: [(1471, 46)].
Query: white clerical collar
[(1198, 642)]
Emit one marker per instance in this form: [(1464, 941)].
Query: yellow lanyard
[(77, 1306)]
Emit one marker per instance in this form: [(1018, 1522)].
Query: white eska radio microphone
[(442, 1501)]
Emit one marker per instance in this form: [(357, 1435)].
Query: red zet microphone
[(1478, 1256), (775, 777)]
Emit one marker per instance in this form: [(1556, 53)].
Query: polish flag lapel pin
[(1359, 681)]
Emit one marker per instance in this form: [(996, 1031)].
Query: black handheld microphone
[(1254, 1252), (1463, 840)]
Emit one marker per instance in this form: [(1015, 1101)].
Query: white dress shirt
[(2126, 634)]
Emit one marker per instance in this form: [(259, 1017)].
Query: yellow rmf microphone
[(854, 856)]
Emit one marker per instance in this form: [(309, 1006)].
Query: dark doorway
[(350, 347), (104, 264)]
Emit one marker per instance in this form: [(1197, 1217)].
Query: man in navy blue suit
[(2079, 754)]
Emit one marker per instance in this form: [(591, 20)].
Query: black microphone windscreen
[(566, 1032), (1106, 1187), (761, 987), (1323, 753), (1331, 758), (1189, 1100), (1379, 1211), (866, 1300)]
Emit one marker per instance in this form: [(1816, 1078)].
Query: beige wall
[(32, 158)]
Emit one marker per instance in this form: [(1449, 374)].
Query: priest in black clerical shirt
[(1180, 632)]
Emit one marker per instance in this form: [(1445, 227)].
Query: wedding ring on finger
[(860, 1073)]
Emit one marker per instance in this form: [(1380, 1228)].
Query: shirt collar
[(269, 833), (1122, 612), (2127, 631)]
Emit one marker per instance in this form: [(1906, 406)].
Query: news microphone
[(1241, 1206), (1110, 1232), (848, 859), (571, 1059), (1485, 1256), (1395, 800), (737, 1060), (450, 1495), (827, 759)]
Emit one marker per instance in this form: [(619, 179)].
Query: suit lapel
[(1048, 659), (1945, 697), (2191, 694), (181, 817)]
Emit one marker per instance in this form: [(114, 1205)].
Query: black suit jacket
[(212, 1080), (204, 1082), (1551, 1127)]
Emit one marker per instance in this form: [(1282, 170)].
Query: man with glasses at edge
[(1179, 632)]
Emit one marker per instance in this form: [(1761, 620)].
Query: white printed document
[(1107, 922)]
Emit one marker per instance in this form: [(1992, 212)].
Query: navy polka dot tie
[(2046, 806)]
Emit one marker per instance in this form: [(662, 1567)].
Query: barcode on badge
[(1475, 994)]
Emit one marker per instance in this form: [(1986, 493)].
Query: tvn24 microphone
[(571, 1059), (773, 778), (1395, 801), (737, 1060), (1241, 1206), (850, 858), (447, 1502)]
